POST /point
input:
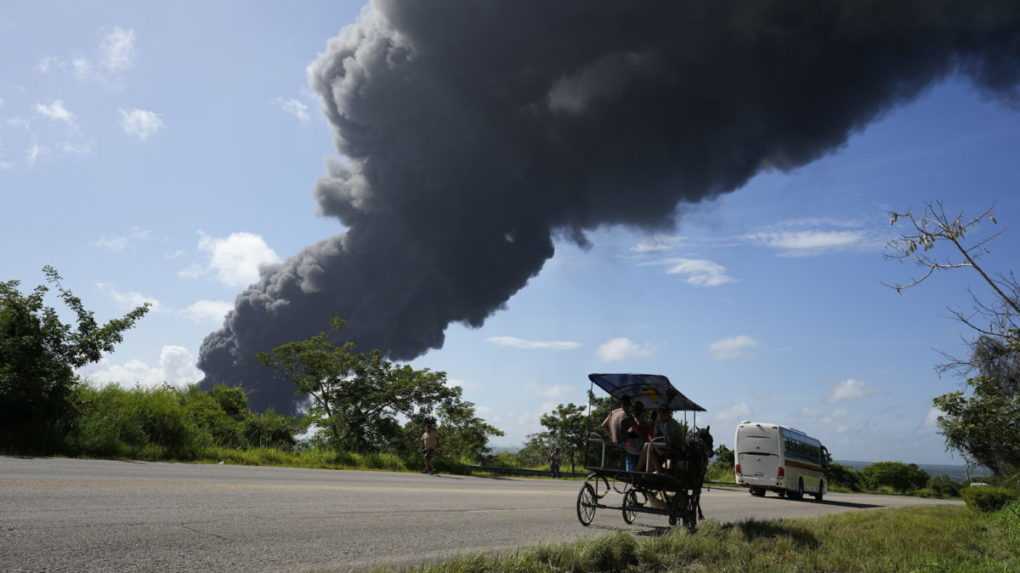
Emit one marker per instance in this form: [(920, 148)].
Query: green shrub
[(1010, 519), (895, 475), (843, 477), (944, 486), (987, 498), (927, 492)]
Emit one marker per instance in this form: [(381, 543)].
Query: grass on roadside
[(314, 458), (908, 539)]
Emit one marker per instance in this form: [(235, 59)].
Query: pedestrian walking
[(429, 445)]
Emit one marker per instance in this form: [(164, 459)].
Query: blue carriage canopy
[(653, 390)]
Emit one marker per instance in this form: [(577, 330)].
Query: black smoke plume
[(476, 131)]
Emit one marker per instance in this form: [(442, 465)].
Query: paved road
[(92, 515)]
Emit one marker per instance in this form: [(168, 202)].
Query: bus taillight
[(738, 469), (781, 472)]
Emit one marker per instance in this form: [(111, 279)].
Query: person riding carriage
[(664, 461)]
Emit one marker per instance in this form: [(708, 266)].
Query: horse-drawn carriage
[(680, 450)]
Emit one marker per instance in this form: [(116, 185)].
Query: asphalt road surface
[(93, 515)]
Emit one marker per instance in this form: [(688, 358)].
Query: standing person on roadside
[(554, 462), (429, 445)]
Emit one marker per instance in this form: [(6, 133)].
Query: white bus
[(780, 459)]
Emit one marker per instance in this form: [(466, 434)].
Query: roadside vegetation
[(364, 411), (909, 539)]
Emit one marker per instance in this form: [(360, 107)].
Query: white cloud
[(117, 50), (294, 107), (55, 111), (82, 67), (849, 389), (732, 348), (235, 259), (128, 300), (5, 165), (140, 123), (617, 349), (699, 272), (932, 419), (525, 344), (119, 243), (809, 242), (176, 368), (657, 244), (34, 152), (208, 310), (192, 271), (48, 64), (734, 413), (837, 420), (554, 391)]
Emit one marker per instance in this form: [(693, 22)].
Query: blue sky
[(163, 152)]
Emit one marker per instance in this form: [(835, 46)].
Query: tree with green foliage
[(361, 398), (984, 424), (463, 435), (724, 456), (944, 486), (172, 423), (39, 355), (536, 450), (567, 427), (838, 474), (898, 476)]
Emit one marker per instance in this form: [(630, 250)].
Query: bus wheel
[(821, 489)]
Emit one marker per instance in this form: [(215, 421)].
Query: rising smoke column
[(476, 131)]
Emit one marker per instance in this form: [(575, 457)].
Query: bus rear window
[(757, 443)]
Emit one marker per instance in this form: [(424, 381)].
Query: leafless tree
[(938, 242)]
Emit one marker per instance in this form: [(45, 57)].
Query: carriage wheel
[(596, 479), (629, 503), (586, 501)]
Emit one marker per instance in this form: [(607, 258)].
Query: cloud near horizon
[(526, 344), (294, 107), (120, 243), (617, 349), (699, 272), (849, 389), (128, 300), (732, 348), (210, 311), (176, 367)]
